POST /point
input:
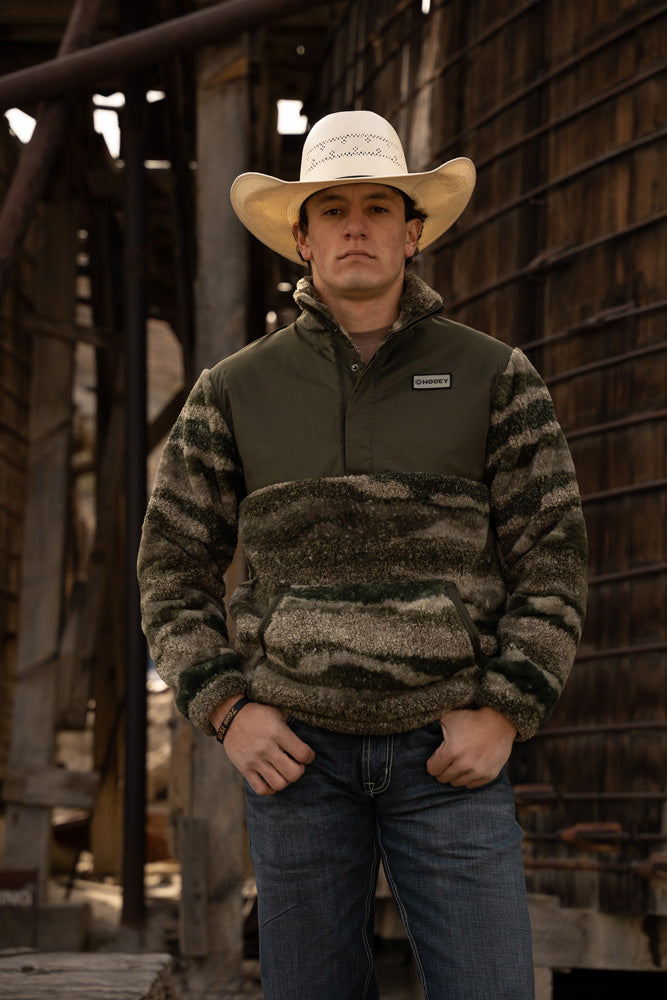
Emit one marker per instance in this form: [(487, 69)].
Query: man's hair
[(412, 211)]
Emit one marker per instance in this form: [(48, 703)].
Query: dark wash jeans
[(452, 857)]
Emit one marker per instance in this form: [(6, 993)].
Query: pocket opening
[(415, 632)]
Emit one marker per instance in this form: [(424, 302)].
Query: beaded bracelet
[(229, 718)]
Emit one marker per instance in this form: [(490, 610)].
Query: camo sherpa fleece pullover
[(412, 529)]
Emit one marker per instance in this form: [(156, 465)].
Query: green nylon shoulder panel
[(299, 410)]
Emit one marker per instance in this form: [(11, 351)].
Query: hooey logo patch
[(443, 381)]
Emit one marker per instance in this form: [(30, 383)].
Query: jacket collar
[(417, 302)]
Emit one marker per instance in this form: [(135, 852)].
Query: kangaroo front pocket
[(369, 635)]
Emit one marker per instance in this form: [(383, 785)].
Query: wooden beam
[(223, 117), (193, 839), (221, 328), (51, 786)]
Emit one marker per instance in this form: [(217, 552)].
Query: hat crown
[(351, 144)]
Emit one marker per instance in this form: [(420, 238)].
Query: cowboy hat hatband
[(350, 147)]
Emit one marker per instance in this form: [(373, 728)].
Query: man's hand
[(262, 747), (476, 746)]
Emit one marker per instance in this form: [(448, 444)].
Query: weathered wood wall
[(562, 251), (60, 622)]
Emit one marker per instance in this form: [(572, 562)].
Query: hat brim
[(269, 207)]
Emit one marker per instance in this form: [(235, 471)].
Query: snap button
[(355, 367)]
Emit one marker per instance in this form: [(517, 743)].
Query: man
[(409, 514)]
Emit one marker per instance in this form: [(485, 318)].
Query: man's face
[(357, 240)]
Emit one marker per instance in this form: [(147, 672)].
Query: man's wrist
[(229, 716), (220, 711), (499, 719)]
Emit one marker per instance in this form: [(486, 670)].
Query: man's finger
[(438, 761), (258, 785), (296, 747)]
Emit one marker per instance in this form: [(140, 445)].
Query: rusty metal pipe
[(616, 359), (555, 182), (602, 654), (651, 867), (38, 155), (565, 67), (628, 574), (595, 839), (594, 729), (483, 37), (610, 94), (615, 425), (622, 491), (552, 258), (142, 48), (548, 795), (628, 310)]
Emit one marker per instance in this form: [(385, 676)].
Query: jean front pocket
[(369, 635)]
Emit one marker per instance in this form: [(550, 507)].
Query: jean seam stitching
[(369, 909), (388, 764), (404, 917), (370, 787)]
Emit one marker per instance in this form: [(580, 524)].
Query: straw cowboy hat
[(344, 148)]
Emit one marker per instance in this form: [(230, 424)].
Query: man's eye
[(332, 211)]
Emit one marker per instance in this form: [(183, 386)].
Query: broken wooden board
[(87, 976)]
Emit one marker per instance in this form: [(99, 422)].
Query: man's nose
[(355, 224)]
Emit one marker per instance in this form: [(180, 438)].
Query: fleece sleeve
[(188, 541), (537, 516)]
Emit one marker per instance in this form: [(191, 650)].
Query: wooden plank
[(51, 976), (180, 775), (223, 116), (51, 786), (193, 839), (543, 984)]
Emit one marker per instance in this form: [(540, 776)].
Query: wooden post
[(28, 827), (222, 154), (212, 830), (102, 651)]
